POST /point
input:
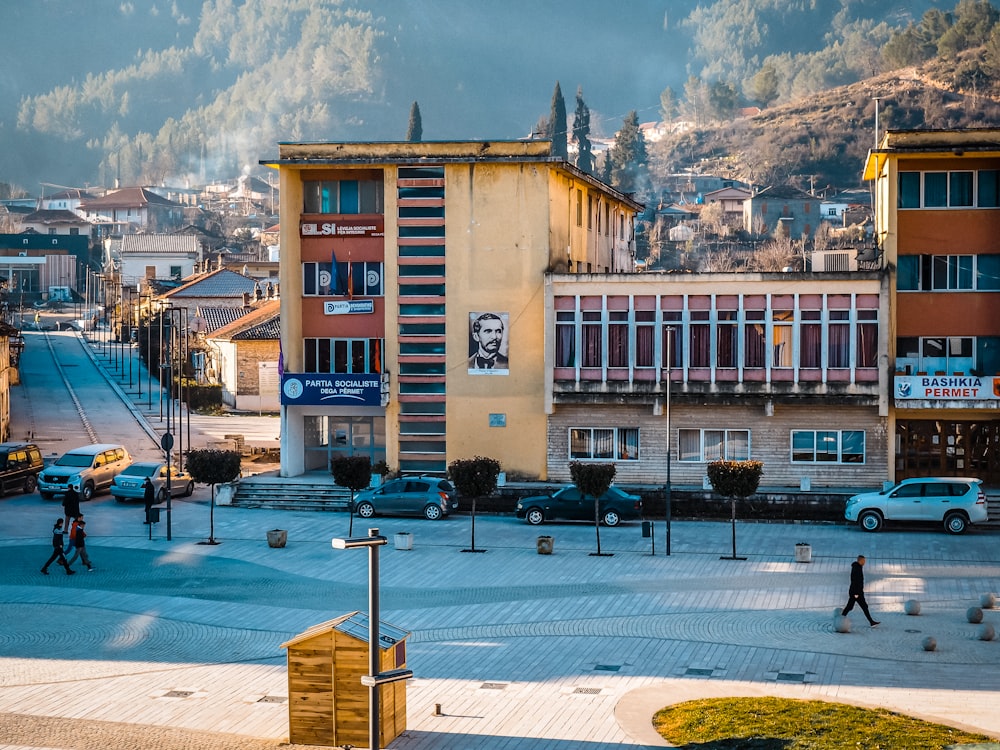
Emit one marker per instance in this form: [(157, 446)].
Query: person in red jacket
[(79, 537)]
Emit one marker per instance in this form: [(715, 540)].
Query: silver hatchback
[(954, 501), (430, 497)]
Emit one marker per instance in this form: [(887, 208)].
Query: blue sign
[(316, 389)]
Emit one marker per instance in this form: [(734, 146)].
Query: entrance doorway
[(327, 436), (928, 447)]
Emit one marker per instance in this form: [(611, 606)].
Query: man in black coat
[(57, 549), (148, 496), (856, 594), (71, 506)]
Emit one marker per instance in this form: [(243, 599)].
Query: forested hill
[(148, 90)]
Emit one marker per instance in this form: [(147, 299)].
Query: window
[(782, 331), (604, 443), (700, 345), (948, 273), (958, 189), (618, 351), (645, 338), (755, 343), (828, 446), (579, 208), (811, 344), (175, 272), (593, 350), (713, 445), (839, 348), (342, 355), (342, 196), (362, 279)]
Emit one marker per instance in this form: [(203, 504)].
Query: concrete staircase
[(292, 493)]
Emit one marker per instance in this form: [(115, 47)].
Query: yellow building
[(414, 324)]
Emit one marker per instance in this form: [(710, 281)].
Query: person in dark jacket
[(71, 506), (79, 537), (148, 496), (58, 532), (856, 594)]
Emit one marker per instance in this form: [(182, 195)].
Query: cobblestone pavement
[(177, 644)]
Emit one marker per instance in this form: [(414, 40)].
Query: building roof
[(133, 197), (219, 283), (53, 216), (786, 192), (219, 317), (262, 323), (160, 244)]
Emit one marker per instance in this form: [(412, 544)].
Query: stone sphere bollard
[(986, 601), (930, 643), (841, 623), (986, 632), (974, 615), (912, 607)]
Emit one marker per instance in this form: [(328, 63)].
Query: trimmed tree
[(415, 129), (735, 479), (354, 473), (593, 480), (212, 467), (474, 478)]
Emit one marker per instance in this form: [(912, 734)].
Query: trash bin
[(154, 515), (647, 529), (544, 545), (803, 552)]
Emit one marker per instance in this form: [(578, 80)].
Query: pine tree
[(581, 134), (415, 130), (557, 124), (628, 158)]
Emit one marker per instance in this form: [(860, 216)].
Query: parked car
[(87, 470), (20, 464), (955, 501), (128, 484), (430, 497), (568, 503)]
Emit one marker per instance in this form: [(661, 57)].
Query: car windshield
[(140, 470), (75, 459)]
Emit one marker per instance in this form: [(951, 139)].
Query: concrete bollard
[(986, 601), (841, 623), (974, 615), (930, 643), (986, 632), (912, 607)]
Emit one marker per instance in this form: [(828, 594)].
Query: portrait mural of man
[(488, 343)]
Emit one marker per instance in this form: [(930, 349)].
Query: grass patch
[(789, 724)]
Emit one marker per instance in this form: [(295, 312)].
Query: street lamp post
[(374, 678), (670, 357)]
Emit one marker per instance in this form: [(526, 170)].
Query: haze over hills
[(146, 91)]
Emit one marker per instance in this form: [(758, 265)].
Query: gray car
[(430, 497), (129, 484)]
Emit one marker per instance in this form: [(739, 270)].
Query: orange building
[(937, 208)]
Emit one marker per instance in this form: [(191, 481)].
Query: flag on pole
[(341, 275)]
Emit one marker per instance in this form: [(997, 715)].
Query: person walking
[(148, 496), (79, 536), (856, 594), (58, 532), (71, 506)]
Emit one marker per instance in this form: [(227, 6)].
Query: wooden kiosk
[(327, 704)]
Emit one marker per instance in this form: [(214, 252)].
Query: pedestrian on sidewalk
[(71, 506), (71, 536), (148, 496), (78, 537), (58, 532), (856, 594)]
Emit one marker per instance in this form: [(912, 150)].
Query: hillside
[(822, 140)]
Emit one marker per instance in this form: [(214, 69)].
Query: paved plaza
[(177, 644)]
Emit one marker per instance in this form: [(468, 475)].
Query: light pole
[(374, 678), (670, 357)]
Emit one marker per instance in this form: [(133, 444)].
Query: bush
[(735, 478)]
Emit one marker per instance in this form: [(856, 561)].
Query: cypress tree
[(581, 133), (557, 124), (415, 130)]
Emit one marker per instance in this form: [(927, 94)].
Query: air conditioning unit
[(22, 254), (834, 260)]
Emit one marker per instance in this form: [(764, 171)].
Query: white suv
[(955, 501), (87, 470)]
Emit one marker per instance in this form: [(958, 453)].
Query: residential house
[(937, 220), (144, 258), (731, 198), (132, 210), (219, 288), (244, 355), (782, 211)]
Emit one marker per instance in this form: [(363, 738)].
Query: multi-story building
[(937, 217), (413, 300)]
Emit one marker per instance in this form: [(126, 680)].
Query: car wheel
[(189, 490), (45, 495), (870, 520), (534, 516), (366, 510), (432, 512), (161, 495), (955, 523), (29, 485), (118, 498), (611, 518), (87, 491)]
